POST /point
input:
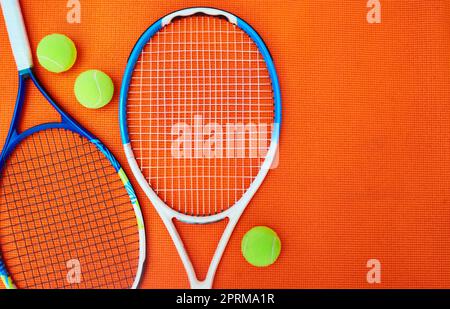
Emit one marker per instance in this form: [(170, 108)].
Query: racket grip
[(17, 33)]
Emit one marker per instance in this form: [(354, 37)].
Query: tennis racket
[(193, 78), (69, 217)]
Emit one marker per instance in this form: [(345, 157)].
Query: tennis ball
[(94, 89), (56, 53), (261, 246)]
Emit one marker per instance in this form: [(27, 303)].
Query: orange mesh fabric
[(365, 144)]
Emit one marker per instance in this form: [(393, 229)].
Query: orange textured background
[(365, 148)]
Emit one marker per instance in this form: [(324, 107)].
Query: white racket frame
[(233, 213)]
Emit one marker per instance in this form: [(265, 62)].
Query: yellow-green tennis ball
[(261, 246), (94, 89), (56, 53)]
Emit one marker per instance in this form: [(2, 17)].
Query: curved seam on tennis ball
[(273, 249), (98, 88), (245, 245), (53, 61)]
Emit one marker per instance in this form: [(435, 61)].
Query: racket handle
[(17, 33)]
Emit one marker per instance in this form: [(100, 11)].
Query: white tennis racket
[(200, 119)]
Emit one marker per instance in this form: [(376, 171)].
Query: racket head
[(151, 66), (66, 205)]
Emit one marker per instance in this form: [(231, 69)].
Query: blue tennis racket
[(69, 217)]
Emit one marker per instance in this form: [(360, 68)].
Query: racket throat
[(201, 285), (194, 282)]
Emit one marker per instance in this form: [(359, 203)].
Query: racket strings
[(74, 186), (67, 170), (61, 200), (13, 237), (47, 239), (61, 254), (200, 114), (100, 277), (53, 271)]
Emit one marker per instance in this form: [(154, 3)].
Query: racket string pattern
[(200, 114), (61, 200)]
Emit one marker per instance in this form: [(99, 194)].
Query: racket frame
[(20, 46), (233, 213)]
